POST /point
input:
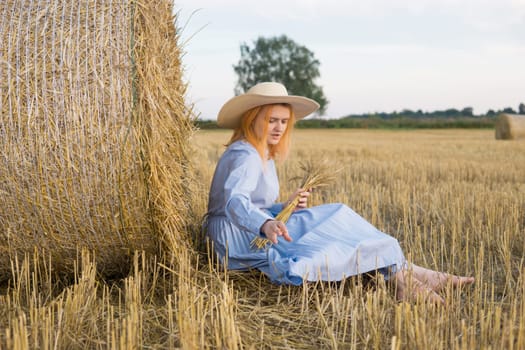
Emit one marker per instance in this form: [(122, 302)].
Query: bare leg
[(409, 288), (438, 280)]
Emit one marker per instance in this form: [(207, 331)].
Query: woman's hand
[(274, 228), (303, 198)]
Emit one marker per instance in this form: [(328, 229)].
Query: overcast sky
[(375, 55)]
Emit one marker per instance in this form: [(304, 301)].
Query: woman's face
[(279, 117)]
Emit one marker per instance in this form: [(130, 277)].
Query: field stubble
[(454, 199)]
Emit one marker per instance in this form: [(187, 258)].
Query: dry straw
[(510, 126), (93, 131), (316, 174)]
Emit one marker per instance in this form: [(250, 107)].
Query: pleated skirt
[(330, 242)]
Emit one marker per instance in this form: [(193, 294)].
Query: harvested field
[(455, 199)]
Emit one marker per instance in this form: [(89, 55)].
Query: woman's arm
[(243, 176)]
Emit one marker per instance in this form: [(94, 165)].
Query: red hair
[(246, 131)]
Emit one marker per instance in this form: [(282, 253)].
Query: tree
[(521, 108), (509, 110), (282, 60), (467, 112)]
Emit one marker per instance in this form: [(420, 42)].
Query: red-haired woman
[(328, 242)]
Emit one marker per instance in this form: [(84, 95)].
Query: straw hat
[(263, 94)]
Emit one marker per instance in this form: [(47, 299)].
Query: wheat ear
[(316, 175)]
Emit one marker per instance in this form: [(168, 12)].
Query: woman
[(328, 242)]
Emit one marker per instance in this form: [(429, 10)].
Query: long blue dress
[(330, 242)]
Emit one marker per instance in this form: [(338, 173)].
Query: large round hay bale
[(510, 126), (93, 131)]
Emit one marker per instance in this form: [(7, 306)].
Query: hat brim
[(232, 111)]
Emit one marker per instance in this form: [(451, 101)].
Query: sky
[(375, 55)]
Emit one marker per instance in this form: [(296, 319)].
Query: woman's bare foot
[(438, 280), (409, 288)]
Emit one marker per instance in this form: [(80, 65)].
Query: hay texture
[(510, 126), (93, 131)]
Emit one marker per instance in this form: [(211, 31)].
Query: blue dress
[(330, 242)]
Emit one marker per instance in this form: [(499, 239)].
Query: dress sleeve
[(239, 185)]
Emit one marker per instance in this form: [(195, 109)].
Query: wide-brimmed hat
[(262, 94)]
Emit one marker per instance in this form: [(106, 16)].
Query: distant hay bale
[(510, 126), (93, 131)]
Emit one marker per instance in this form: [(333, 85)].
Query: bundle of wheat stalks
[(93, 130), (316, 174)]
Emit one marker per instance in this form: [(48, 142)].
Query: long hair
[(246, 131)]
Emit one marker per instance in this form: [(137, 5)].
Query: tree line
[(406, 119), (395, 120)]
